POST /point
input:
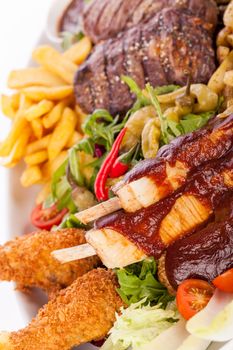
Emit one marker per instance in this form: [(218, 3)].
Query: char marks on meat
[(158, 52), (105, 19)]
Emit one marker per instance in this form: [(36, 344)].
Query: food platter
[(25, 198)]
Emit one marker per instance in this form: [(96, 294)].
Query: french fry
[(38, 110), (39, 93), (36, 158), (62, 133), (81, 117), (50, 167), (44, 193), (54, 115), (36, 76), (37, 128), (38, 145), (6, 106), (216, 82), (31, 175), (52, 60), (15, 101), (78, 53), (75, 138), (18, 127), (18, 149)]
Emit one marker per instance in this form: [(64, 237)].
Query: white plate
[(19, 202)]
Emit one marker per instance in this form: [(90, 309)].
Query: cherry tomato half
[(192, 296), (47, 218), (224, 282)]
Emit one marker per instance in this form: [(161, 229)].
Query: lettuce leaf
[(138, 281), (138, 325)]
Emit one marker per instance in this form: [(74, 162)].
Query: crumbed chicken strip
[(27, 260), (83, 312)]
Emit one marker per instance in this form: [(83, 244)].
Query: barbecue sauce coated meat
[(192, 150), (158, 52), (154, 228), (205, 254), (104, 19)]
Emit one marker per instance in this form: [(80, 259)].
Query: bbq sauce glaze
[(192, 150), (205, 254), (142, 227)]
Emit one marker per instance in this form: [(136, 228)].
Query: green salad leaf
[(102, 128), (138, 325), (166, 89), (192, 122), (70, 221), (138, 281)]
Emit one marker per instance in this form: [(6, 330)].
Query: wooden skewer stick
[(99, 210), (74, 253)]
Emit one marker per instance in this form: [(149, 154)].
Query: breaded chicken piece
[(83, 312), (27, 260)]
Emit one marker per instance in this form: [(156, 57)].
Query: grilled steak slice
[(159, 51), (106, 19)]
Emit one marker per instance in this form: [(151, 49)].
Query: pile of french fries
[(45, 120)]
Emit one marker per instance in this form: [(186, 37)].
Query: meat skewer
[(83, 312), (146, 53), (106, 19), (122, 237), (153, 179), (27, 260)]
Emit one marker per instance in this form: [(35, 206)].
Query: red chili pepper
[(101, 191), (121, 164)]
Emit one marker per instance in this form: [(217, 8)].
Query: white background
[(21, 23)]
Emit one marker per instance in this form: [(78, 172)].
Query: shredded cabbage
[(139, 325)]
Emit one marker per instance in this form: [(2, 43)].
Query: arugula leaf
[(166, 89), (175, 128), (101, 128), (138, 281), (141, 100), (87, 145), (75, 167), (57, 176), (163, 120)]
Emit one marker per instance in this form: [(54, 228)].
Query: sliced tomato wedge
[(224, 282), (46, 218), (192, 296)]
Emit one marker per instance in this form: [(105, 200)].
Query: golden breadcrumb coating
[(82, 312), (27, 260)]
